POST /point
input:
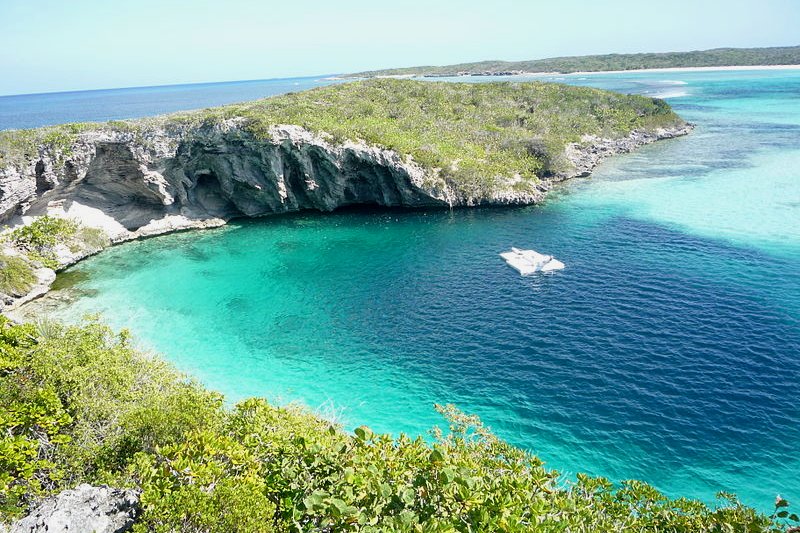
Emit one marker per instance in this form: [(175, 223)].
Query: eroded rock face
[(193, 176), (592, 150), (157, 179), (85, 509)]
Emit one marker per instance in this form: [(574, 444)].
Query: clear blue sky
[(57, 45)]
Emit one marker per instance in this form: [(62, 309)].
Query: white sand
[(671, 69)]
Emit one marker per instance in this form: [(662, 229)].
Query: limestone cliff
[(134, 184), (160, 179)]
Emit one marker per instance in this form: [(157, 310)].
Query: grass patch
[(21, 146), (16, 275)]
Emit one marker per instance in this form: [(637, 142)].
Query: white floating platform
[(528, 262)]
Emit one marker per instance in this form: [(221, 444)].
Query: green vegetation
[(38, 240), (718, 57), (40, 237), (477, 135), (81, 404), (91, 238), (16, 275), (24, 145)]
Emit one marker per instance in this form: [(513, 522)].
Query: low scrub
[(79, 404), (782, 55), (40, 238), (475, 136), (16, 275)]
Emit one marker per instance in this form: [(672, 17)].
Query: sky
[(60, 45)]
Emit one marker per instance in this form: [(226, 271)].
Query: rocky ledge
[(162, 179), (82, 509)]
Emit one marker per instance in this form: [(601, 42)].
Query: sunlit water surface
[(667, 350)]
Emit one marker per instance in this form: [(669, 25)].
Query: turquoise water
[(668, 350)]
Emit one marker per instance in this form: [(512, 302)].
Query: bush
[(93, 238), (16, 275), (79, 404), (208, 482), (44, 232), (40, 237)]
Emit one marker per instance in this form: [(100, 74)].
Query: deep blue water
[(668, 350), (34, 110)]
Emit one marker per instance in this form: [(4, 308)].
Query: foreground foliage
[(718, 57), (471, 135), (81, 404)]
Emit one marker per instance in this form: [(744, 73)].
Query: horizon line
[(161, 85), (322, 76)]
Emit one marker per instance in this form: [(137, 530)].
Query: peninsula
[(396, 143), (718, 57)]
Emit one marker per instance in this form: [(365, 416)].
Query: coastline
[(576, 73), (127, 180), (676, 69), (584, 156)]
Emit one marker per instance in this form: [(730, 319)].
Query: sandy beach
[(586, 73), (670, 69)]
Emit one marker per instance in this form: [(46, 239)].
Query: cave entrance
[(209, 196), (42, 183)]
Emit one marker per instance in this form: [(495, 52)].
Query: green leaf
[(363, 433)]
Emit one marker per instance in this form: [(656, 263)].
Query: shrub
[(208, 482), (40, 237), (16, 275), (78, 404), (93, 238)]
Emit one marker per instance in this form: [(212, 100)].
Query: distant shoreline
[(577, 73), (672, 69)]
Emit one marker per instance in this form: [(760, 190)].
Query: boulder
[(84, 509)]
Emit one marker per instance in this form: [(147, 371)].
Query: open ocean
[(668, 350), (34, 110)]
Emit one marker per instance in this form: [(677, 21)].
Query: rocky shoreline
[(135, 185)]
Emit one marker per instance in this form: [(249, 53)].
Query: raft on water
[(528, 262)]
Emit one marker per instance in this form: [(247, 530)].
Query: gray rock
[(592, 150), (168, 178), (194, 175), (85, 509)]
